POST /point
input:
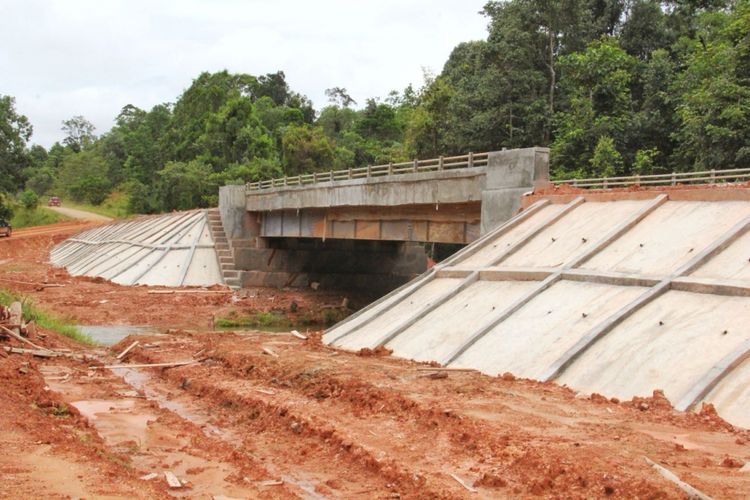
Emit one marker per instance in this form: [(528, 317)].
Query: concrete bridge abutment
[(369, 232)]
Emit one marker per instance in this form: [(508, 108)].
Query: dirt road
[(273, 415), (74, 213)]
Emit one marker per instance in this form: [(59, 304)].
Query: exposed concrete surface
[(668, 345), (550, 324), (618, 312), (669, 237), (171, 250)]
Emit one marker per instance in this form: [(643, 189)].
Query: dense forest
[(611, 86)]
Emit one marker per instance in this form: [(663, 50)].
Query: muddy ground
[(272, 415)]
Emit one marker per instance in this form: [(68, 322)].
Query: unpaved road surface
[(272, 415), (74, 213)]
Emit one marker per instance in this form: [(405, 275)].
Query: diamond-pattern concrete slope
[(615, 293)]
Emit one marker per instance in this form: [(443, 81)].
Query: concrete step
[(238, 243), (233, 282), (231, 274), (224, 253), (221, 240), (221, 246), (227, 260)]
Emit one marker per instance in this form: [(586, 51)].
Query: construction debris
[(298, 335), (128, 349), (172, 480), (147, 365)]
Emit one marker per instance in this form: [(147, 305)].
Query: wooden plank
[(42, 353), (462, 483), (172, 480), (16, 316), (22, 339), (128, 349), (147, 365)]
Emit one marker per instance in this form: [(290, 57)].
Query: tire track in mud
[(155, 438), (422, 445)]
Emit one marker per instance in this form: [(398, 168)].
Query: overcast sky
[(78, 57)]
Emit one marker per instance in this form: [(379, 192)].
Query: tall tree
[(79, 133), (15, 131)]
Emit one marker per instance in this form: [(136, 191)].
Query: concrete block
[(499, 205)]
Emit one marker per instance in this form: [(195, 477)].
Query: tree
[(84, 177), (15, 131), (306, 149), (645, 29), (606, 160), (340, 97), (6, 208), (41, 180), (597, 84), (713, 106), (28, 199), (79, 133), (235, 134), (182, 186)]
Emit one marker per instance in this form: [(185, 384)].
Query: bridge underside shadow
[(374, 266)]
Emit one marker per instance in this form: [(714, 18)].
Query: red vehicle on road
[(54, 201)]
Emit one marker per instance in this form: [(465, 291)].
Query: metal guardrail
[(704, 177), (409, 167)]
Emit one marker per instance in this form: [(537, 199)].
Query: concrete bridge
[(362, 227)]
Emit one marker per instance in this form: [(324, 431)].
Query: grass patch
[(39, 216), (115, 206), (45, 319), (257, 320), (278, 321)]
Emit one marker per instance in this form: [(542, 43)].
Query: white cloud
[(64, 58)]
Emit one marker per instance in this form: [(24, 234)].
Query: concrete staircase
[(224, 251)]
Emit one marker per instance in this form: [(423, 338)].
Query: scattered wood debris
[(298, 335), (270, 352), (172, 480), (171, 292), (271, 482), (462, 483), (147, 365), (128, 349)]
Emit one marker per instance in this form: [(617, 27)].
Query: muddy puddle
[(110, 335)]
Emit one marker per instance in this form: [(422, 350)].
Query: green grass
[(257, 320), (45, 319), (274, 321), (115, 206), (39, 216)]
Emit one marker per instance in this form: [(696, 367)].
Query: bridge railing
[(407, 167), (703, 177)]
